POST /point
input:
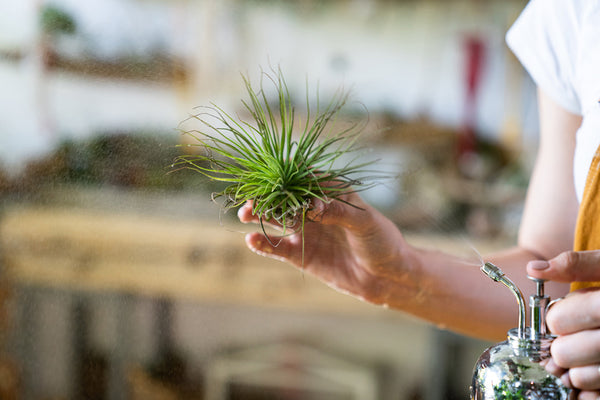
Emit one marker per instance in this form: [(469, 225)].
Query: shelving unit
[(107, 249), (157, 256)]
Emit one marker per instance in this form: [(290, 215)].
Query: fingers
[(577, 312), (570, 266), (576, 318), (577, 349), (245, 215), (288, 249), (553, 368), (589, 395), (348, 211), (579, 353), (584, 378)]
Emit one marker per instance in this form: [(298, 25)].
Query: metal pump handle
[(538, 304)]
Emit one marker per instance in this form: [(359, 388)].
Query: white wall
[(402, 57)]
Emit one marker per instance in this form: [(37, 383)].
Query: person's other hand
[(575, 319), (352, 248)]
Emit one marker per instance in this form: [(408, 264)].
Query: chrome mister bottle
[(511, 370)]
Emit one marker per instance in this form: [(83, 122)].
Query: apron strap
[(587, 230)]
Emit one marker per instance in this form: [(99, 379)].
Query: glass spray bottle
[(511, 370)]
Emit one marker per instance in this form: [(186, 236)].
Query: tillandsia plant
[(264, 160)]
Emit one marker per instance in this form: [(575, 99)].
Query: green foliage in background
[(133, 160), (55, 20)]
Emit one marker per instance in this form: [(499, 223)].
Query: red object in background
[(474, 48)]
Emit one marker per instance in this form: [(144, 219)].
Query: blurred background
[(120, 280)]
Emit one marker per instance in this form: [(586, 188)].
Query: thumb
[(570, 266)]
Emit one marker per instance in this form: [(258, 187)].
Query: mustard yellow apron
[(587, 231)]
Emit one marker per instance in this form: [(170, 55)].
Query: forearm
[(453, 293)]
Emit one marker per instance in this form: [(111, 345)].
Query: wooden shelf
[(91, 250), (116, 249), (159, 68)]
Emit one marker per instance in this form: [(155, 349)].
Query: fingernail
[(241, 215), (539, 265)]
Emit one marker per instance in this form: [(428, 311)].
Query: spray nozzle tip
[(492, 271)]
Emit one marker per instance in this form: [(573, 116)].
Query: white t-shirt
[(558, 43)]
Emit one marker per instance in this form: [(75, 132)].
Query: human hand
[(347, 244), (576, 320)]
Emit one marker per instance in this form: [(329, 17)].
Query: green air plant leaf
[(266, 161)]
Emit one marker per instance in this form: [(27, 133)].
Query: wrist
[(402, 284)]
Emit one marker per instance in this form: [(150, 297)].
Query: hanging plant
[(264, 160), (56, 21)]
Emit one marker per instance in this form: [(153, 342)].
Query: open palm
[(352, 248)]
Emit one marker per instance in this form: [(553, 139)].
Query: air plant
[(266, 162)]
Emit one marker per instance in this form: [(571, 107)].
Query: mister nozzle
[(492, 271), (497, 275)]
